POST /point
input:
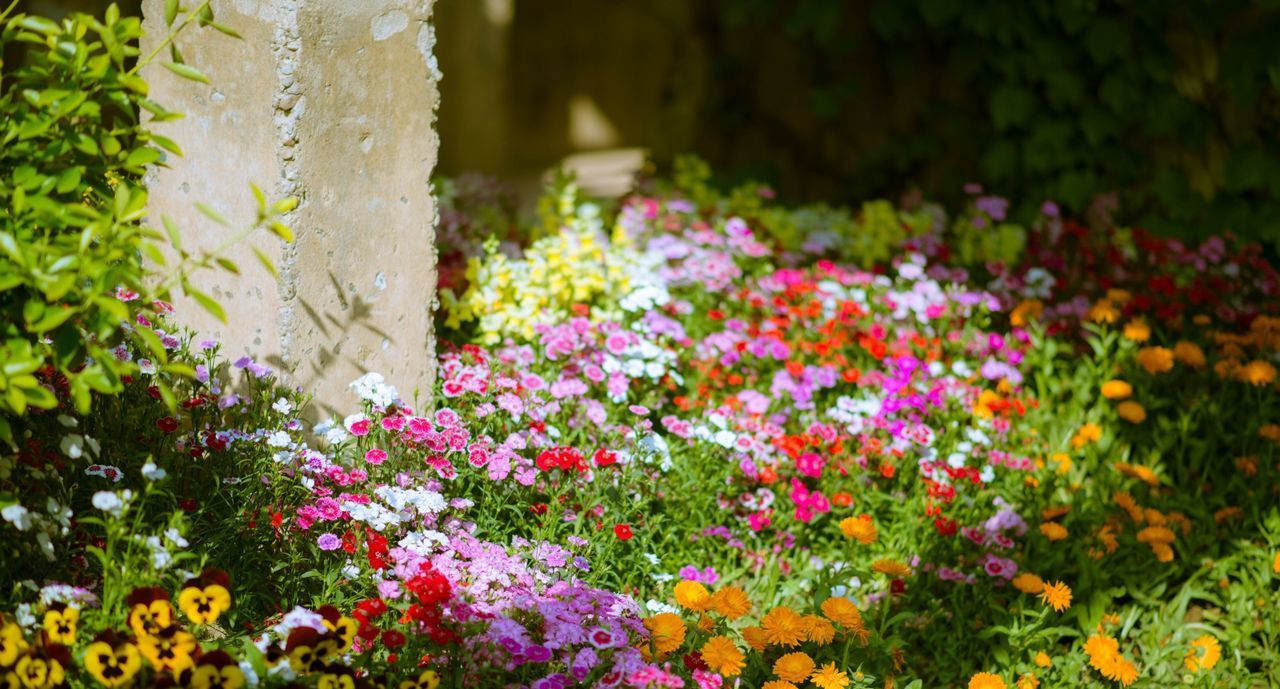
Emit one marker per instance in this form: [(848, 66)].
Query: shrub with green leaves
[(78, 264)]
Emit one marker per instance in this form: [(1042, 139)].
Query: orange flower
[(1057, 596), (860, 529), (986, 680), (1142, 473), (1027, 582), (1028, 681), (783, 627), (1189, 354), (1131, 411), (1155, 359), (818, 630), (1257, 372), (731, 602), (666, 630), (1042, 659), (755, 638), (891, 567), (1088, 433), (1137, 330), (1104, 312), (1053, 531), (1204, 654), (692, 595), (1026, 311), (794, 667), (1104, 656), (722, 656), (1116, 389)]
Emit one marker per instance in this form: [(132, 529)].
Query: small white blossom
[(18, 516), (111, 503), (283, 406), (152, 472), (279, 439)]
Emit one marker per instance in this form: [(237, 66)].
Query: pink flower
[(375, 456), (810, 464)]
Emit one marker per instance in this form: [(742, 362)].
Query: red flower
[(168, 424), (623, 532), (897, 587), (393, 639), (945, 526), (188, 505), (605, 457)]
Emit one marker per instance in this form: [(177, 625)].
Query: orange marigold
[(860, 529), (818, 630), (1257, 372), (1156, 359), (1053, 531), (1027, 582), (666, 630), (755, 638), (1189, 353), (1137, 330), (986, 680), (1131, 411), (1057, 596), (692, 595), (794, 667), (783, 627), (731, 602), (891, 567), (1116, 389), (722, 656), (1203, 654)]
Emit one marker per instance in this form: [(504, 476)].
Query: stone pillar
[(332, 102)]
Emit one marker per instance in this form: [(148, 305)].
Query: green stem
[(168, 39)]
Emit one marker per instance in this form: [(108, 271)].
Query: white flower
[(24, 616), (153, 472), (160, 557), (988, 474), (111, 503), (351, 571), (283, 406), (298, 618), (175, 537), (725, 439), (370, 387), (250, 675), (146, 366), (335, 435), (60, 514), (662, 578), (279, 439), (72, 445), (656, 607), (18, 516)]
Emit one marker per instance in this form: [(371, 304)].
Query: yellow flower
[(1257, 372), (778, 684), (722, 656), (1137, 330), (783, 627), (1189, 353), (60, 623), (860, 529), (818, 630), (986, 680), (1155, 359), (1275, 566), (222, 675), (1028, 681), (1057, 596), (891, 567), (828, 677), (666, 630), (731, 602), (1116, 389), (1204, 655), (204, 604), (39, 671), (336, 678), (692, 595), (1156, 534), (1042, 659), (1131, 411), (1119, 296), (794, 667), (149, 611), (170, 650), (1270, 432), (1053, 531), (429, 679), (1063, 462), (112, 665), (1027, 582), (12, 643)]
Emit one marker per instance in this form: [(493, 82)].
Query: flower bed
[(696, 442)]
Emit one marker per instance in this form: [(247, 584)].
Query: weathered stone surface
[(331, 101)]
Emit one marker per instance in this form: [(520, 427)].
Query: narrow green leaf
[(226, 30), (170, 11), (228, 265), (171, 228), (212, 214), (266, 262), (207, 303), (187, 72), (282, 231)]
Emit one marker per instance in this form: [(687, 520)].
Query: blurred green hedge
[(1173, 106)]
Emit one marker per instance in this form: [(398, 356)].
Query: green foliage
[(73, 150), (1173, 107)]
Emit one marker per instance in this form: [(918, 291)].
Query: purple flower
[(328, 541)]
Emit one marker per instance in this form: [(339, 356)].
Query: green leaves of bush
[(73, 150)]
